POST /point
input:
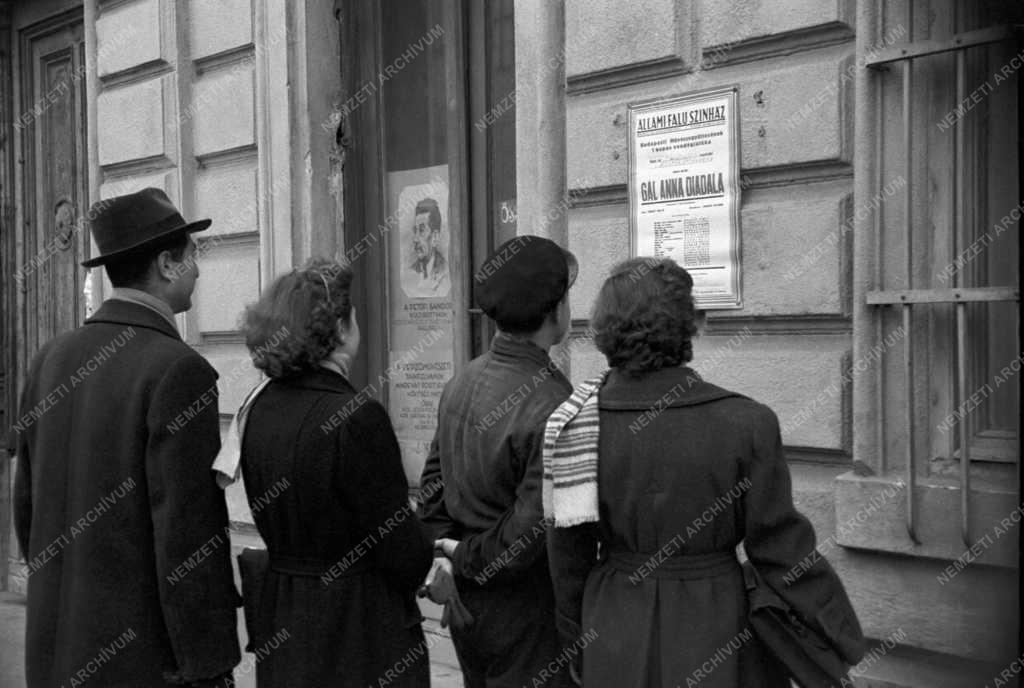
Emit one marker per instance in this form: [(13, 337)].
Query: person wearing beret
[(652, 477), (482, 478), (116, 508)]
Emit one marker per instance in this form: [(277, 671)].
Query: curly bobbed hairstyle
[(294, 324), (644, 318)]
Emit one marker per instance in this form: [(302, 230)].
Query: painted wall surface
[(800, 75), (796, 161), (176, 109), (198, 98), (194, 97)]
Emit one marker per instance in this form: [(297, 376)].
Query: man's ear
[(555, 313), (166, 267)]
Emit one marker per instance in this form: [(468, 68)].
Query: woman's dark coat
[(117, 510), (324, 478), (686, 468)]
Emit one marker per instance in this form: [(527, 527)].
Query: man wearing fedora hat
[(117, 511), (482, 478)]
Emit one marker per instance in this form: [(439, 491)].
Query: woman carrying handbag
[(653, 476)]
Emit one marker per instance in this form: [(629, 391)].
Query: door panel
[(49, 242), (56, 191)]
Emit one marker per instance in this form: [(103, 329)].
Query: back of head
[(523, 281), (134, 269), (131, 230), (644, 318), (293, 326)]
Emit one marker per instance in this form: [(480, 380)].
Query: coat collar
[(129, 313), (146, 299), (321, 379), (506, 346), (668, 387)]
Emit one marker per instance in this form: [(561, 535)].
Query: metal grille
[(907, 299)]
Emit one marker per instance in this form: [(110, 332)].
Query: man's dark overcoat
[(323, 474), (117, 510), (687, 469)]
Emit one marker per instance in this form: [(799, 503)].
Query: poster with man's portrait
[(421, 219), (421, 312)]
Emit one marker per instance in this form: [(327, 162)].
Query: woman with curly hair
[(325, 482), (653, 476)]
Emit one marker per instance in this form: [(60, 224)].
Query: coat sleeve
[(23, 497), (374, 484), (190, 523), (19, 441), (433, 511), (572, 553), (780, 543), (517, 538)]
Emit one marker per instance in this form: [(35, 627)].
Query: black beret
[(523, 280)]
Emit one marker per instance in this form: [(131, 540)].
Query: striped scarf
[(570, 458)]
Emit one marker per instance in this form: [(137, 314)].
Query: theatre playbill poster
[(684, 195)]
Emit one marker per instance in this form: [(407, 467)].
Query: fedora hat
[(123, 224)]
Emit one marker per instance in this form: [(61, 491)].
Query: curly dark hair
[(644, 318), (294, 324)]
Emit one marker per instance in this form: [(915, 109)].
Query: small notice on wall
[(684, 189), (421, 310)]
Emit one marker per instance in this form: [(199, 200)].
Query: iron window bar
[(960, 41), (961, 297), (907, 298)]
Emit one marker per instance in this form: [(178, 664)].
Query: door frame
[(359, 135), (8, 293), (18, 27)]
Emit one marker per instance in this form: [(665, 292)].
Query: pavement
[(903, 668), (12, 640), (444, 668)]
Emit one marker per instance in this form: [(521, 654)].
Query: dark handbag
[(252, 567), (812, 660)]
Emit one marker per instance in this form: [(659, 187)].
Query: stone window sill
[(871, 515)]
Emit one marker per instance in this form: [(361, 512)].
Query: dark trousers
[(513, 641)]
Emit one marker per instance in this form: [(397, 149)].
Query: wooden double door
[(45, 198)]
